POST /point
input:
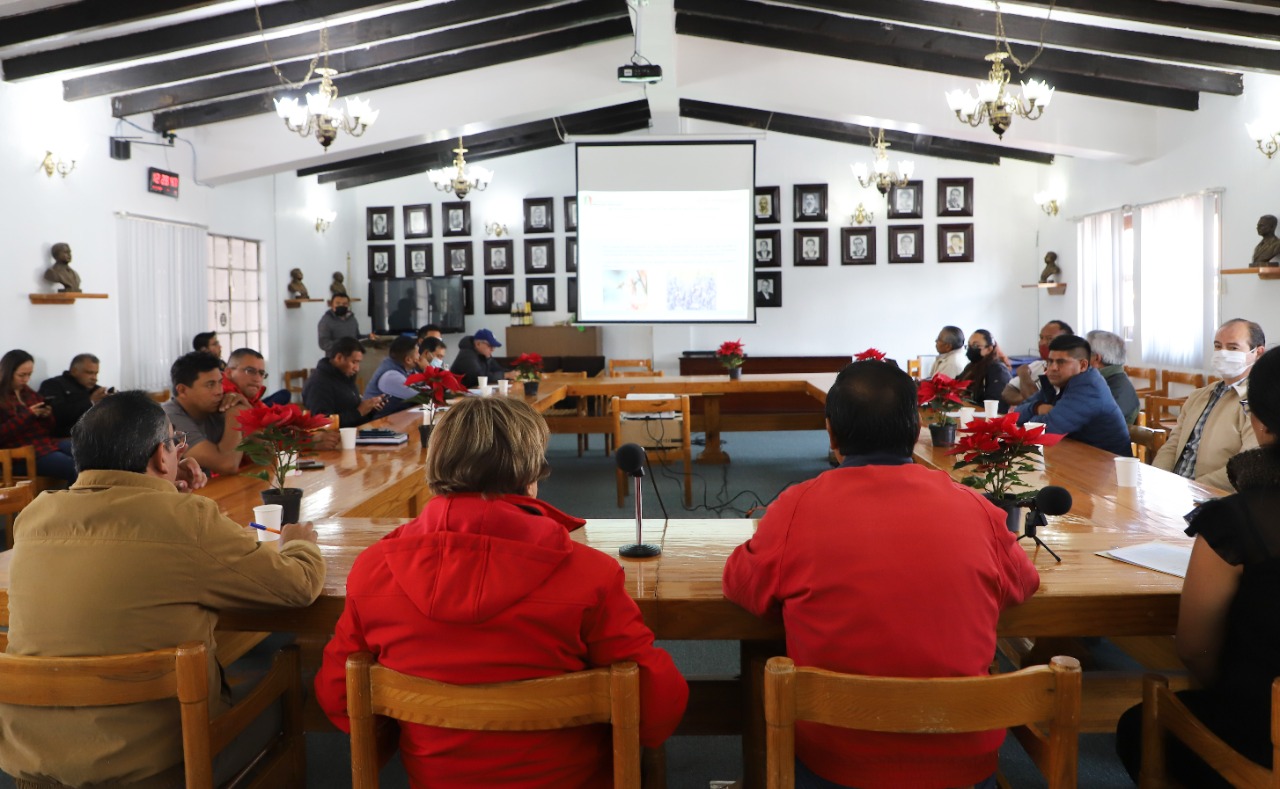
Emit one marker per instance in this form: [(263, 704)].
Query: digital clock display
[(162, 182)]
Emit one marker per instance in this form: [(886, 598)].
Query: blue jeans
[(807, 779), (59, 463)]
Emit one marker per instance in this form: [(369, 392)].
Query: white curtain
[(163, 284), (1099, 238), (1176, 256)]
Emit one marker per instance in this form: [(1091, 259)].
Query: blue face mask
[(437, 363)]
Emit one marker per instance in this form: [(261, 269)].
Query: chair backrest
[(1189, 380), (1148, 440), (294, 379), (8, 474), (1148, 376), (927, 706), (602, 695), (161, 396), (630, 365), (12, 501), (122, 679), (913, 368), (1163, 712), (1163, 410)]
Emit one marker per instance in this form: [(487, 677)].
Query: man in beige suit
[(1213, 425)]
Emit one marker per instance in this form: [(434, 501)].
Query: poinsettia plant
[(433, 385), (730, 354), (942, 395), (528, 366), (999, 451), (274, 435), (869, 355)]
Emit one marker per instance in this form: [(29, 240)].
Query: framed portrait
[(417, 221), (810, 202), (571, 214), (907, 202), (417, 260), (955, 197), (455, 218), (468, 297), (457, 259), (906, 244), (571, 254), (955, 243), (539, 256), (541, 293), (768, 288), (810, 247), (768, 249), (382, 261), (539, 216), (498, 295), (766, 205), (500, 257), (857, 246), (571, 294), (380, 223)]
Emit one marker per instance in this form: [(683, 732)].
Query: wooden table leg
[(752, 656), (712, 454)]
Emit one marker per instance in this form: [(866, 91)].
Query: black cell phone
[(309, 464)]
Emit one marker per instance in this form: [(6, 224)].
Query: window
[(1149, 274), (236, 311)]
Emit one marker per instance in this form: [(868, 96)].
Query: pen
[(264, 528)]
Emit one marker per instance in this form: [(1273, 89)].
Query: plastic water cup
[(482, 383), (268, 515), (966, 415), (348, 435), (992, 408), (1127, 472), (504, 387)]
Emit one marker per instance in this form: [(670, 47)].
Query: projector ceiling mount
[(639, 69)]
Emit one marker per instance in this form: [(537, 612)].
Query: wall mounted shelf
[(63, 298), (1263, 272), (1054, 288), (294, 304)]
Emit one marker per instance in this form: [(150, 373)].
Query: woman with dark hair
[(487, 585), (986, 368), (1229, 614), (26, 419)]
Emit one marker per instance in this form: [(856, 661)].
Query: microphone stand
[(1035, 519), (639, 549)]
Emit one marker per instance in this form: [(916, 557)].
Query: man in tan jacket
[(1213, 425), (126, 561)]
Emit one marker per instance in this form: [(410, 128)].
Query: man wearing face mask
[(1213, 426), (1030, 377), (338, 322), (431, 352)]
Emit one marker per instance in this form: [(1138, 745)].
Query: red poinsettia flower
[(999, 450), (869, 355), (433, 385), (730, 353), (527, 366), (274, 435), (941, 394)]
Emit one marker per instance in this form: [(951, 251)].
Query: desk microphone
[(630, 458), (1049, 500)]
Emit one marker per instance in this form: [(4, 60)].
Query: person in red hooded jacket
[(487, 585)]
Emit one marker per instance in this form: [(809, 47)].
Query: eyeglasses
[(255, 372), (178, 439)]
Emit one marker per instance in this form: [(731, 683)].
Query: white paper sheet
[(1163, 557)]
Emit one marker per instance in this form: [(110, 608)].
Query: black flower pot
[(943, 435), (531, 388), (289, 499), (1012, 512), (735, 373), (424, 434)]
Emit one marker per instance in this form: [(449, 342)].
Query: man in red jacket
[(886, 568)]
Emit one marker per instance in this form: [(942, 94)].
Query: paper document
[(1163, 557)]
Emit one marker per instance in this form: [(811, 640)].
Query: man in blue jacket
[(1074, 399)]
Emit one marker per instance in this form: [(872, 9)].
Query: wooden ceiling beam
[(85, 15), (1194, 18)]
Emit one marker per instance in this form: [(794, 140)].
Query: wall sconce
[(1266, 134), (60, 167), (324, 220), (496, 229), (861, 216), (1048, 202)]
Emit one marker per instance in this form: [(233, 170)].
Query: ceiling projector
[(636, 72)]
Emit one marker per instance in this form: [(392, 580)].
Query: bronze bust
[(296, 289), (1269, 247), (336, 288), (61, 272), (1051, 268)]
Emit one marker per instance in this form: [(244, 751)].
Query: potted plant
[(869, 355), (433, 385), (941, 394), (999, 451), (528, 368), (731, 356), (273, 436)]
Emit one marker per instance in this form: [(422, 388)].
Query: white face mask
[(1230, 364)]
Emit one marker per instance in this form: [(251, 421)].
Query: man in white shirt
[(950, 345)]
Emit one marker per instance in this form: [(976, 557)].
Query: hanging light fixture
[(881, 176), (993, 104), (461, 178), (322, 116)]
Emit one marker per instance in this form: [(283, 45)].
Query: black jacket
[(329, 392), (68, 399), (469, 364)]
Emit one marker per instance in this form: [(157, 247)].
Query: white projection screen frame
[(665, 232)]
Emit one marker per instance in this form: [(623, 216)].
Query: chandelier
[(995, 106), (322, 116), (461, 178), (1265, 133), (881, 178)]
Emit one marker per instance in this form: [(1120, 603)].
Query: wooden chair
[(1162, 412), (179, 672), (8, 473), (1163, 712), (1192, 380), (629, 367), (927, 706), (1150, 375), (161, 396), (300, 376), (575, 410), (12, 501), (1146, 441), (619, 406), (602, 695), (913, 368)]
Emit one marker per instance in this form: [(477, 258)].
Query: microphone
[(1053, 500), (630, 458)]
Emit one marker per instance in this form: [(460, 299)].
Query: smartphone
[(309, 464)]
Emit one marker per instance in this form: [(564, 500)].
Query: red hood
[(465, 558)]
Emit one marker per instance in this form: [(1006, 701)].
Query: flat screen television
[(402, 304)]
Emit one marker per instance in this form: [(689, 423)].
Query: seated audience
[(839, 559), (202, 409), (1108, 359), (430, 330), (1074, 400), (1030, 376), (475, 358), (388, 379), (73, 392), (124, 562), (1212, 425), (491, 571), (26, 419), (331, 388), (1229, 614), (246, 373), (950, 348), (207, 341), (431, 353), (985, 369)]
